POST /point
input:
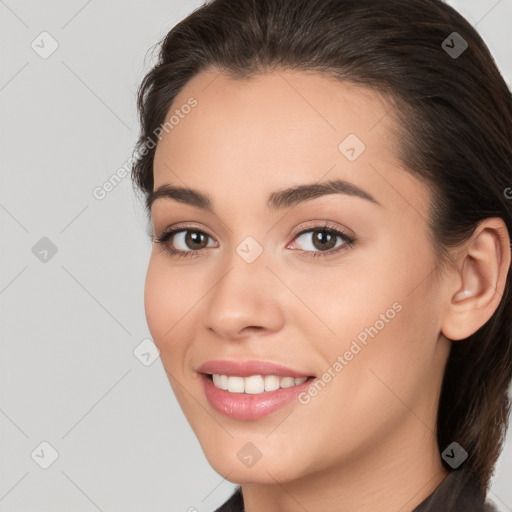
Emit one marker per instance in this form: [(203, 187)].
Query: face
[(336, 283)]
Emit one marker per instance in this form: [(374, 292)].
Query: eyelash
[(165, 237)]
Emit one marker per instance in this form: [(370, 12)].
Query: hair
[(455, 134)]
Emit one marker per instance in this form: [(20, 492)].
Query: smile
[(254, 384), (246, 397)]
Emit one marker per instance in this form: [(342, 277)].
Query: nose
[(244, 301)]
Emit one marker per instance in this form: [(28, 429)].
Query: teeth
[(220, 381), (287, 382), (271, 382), (236, 384), (255, 384)]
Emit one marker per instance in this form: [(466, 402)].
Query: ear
[(479, 278)]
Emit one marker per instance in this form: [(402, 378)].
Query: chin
[(241, 464), (261, 473)]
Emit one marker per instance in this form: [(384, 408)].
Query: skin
[(367, 441)]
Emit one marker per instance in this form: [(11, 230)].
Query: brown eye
[(184, 242), (322, 240), (196, 239)]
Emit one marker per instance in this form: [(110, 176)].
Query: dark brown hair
[(455, 119)]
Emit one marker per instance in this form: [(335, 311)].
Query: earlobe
[(480, 280)]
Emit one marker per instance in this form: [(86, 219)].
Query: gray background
[(70, 324)]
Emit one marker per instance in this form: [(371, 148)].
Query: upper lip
[(248, 368)]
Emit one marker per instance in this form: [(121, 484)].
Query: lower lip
[(245, 406)]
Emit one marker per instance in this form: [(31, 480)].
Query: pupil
[(324, 240), (194, 237)]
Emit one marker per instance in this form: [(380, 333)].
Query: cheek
[(384, 317), (158, 303), (168, 304)]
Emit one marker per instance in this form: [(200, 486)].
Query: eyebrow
[(276, 200)]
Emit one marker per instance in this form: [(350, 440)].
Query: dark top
[(456, 493)]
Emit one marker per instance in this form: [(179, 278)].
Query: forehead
[(277, 111), (280, 128)]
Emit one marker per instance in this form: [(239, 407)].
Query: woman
[(329, 280)]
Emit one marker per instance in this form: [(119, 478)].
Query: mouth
[(254, 384), (251, 389), (252, 397)]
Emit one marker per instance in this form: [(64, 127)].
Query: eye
[(188, 241), (323, 240), (317, 240)]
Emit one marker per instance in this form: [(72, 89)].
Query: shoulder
[(235, 503), (457, 493), (490, 506)]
